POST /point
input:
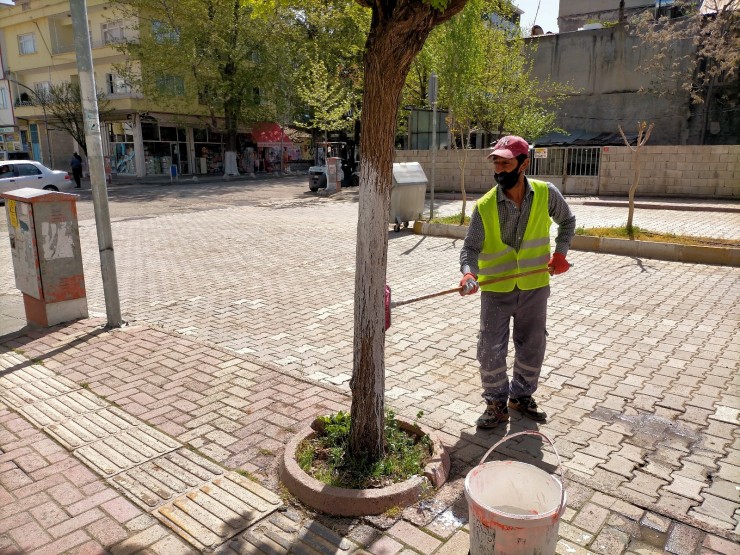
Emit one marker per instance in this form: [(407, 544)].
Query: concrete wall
[(674, 171), (573, 14), (666, 171), (602, 66)]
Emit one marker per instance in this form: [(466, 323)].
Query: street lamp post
[(43, 109)]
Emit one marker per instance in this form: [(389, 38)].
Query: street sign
[(92, 122), (540, 153)]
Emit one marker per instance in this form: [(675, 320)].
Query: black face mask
[(508, 179)]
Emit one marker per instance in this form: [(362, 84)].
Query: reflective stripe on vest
[(497, 259)]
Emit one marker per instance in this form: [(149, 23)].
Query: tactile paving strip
[(39, 390), (185, 491), (64, 407), (154, 483), (85, 428), (284, 532), (19, 376), (218, 510), (115, 454)]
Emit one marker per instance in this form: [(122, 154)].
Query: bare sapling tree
[(642, 138), (63, 103)]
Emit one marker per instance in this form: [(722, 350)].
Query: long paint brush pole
[(458, 289)]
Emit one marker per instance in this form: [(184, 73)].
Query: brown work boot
[(494, 414), (527, 407)]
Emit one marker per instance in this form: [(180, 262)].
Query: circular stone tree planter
[(359, 502)]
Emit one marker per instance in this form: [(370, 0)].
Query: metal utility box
[(407, 194), (45, 247), (334, 174)]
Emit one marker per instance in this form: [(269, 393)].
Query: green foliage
[(640, 234), (216, 54), (327, 98), (485, 76), (326, 458), (454, 219), (327, 46)]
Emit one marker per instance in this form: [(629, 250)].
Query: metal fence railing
[(565, 161)]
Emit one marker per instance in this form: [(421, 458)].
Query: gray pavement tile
[(626, 343)]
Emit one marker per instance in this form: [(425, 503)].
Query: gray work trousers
[(529, 311)]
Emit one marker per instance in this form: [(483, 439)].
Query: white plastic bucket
[(514, 508)]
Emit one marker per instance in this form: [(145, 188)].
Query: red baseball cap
[(510, 146)]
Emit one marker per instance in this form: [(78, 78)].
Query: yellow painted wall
[(54, 60)]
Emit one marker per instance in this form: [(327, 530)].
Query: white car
[(17, 174)]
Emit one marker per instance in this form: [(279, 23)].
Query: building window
[(113, 32), (3, 98), (115, 84), (163, 33), (171, 84), (43, 89), (26, 44)]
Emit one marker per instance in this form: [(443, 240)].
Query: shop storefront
[(246, 153), (164, 146), (147, 145), (209, 150), (122, 149), (13, 144), (275, 150)]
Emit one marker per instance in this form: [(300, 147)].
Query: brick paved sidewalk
[(238, 412)]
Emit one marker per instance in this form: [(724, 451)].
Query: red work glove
[(558, 264), (469, 284)]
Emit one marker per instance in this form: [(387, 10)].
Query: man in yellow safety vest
[(509, 234)]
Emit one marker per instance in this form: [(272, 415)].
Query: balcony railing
[(64, 48)]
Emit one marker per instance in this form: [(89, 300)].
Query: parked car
[(27, 173)]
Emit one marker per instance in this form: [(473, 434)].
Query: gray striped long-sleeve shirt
[(513, 223)]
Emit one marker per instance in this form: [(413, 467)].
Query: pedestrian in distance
[(509, 233), (76, 164)]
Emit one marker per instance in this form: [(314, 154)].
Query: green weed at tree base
[(325, 457)]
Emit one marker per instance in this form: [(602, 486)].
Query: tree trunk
[(462, 164), (633, 188), (232, 106), (232, 103), (397, 33)]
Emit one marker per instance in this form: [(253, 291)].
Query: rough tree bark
[(397, 33)]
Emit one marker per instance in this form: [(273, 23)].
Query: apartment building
[(139, 137)]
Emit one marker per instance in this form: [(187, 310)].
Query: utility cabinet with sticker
[(45, 247)]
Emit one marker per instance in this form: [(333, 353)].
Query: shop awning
[(270, 134)]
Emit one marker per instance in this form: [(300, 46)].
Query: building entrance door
[(180, 157)]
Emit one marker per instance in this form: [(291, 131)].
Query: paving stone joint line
[(182, 514)]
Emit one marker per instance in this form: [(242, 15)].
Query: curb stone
[(673, 252), (360, 502)]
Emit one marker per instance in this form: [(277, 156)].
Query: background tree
[(327, 45), (224, 54), (397, 33), (459, 63), (643, 134), (63, 104), (486, 79), (330, 104), (696, 54), (512, 99)]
